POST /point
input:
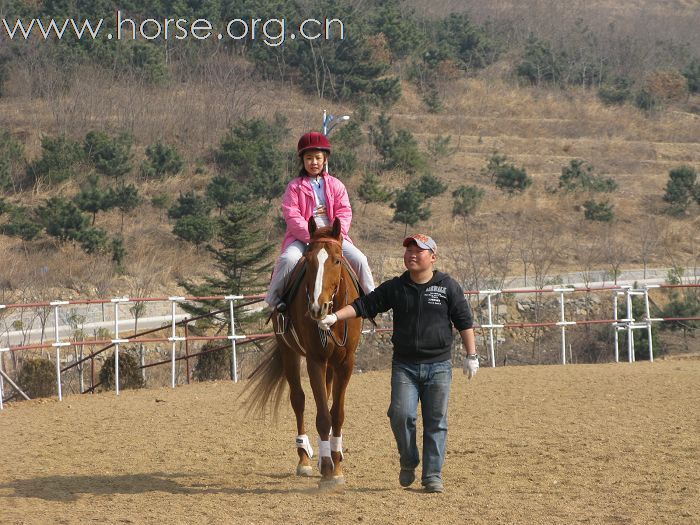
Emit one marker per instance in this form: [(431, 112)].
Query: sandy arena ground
[(611, 444)]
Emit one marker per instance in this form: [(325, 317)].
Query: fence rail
[(234, 302)]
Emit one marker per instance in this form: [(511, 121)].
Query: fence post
[(630, 322), (563, 322), (117, 340), (233, 337), (2, 384), (616, 328), (58, 344), (174, 338), (649, 319), (491, 325)]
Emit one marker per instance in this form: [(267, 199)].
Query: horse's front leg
[(291, 362), (343, 371), (317, 378)]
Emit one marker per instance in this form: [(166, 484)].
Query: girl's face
[(314, 161)]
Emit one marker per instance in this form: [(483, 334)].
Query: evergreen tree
[(93, 199), (466, 200), (62, 219), (111, 156), (11, 162), (162, 160), (371, 191), (20, 224), (681, 188), (242, 256), (196, 229), (410, 207), (126, 199), (190, 204), (60, 159)]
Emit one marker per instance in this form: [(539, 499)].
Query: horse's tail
[(267, 384)]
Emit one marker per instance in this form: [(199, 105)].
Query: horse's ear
[(312, 225), (336, 232)]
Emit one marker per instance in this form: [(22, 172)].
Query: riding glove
[(328, 321), (471, 365)]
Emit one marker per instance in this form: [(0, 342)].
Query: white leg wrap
[(337, 445), (324, 450), (303, 442)]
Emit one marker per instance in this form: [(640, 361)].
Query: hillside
[(537, 127)]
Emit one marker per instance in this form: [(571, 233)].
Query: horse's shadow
[(67, 488)]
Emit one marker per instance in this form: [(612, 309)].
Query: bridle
[(324, 335)]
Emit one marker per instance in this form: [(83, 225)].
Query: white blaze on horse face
[(322, 256)]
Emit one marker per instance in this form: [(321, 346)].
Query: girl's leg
[(285, 264), (358, 262)]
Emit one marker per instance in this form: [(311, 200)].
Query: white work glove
[(328, 321), (471, 366)]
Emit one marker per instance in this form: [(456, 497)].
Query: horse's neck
[(347, 288)]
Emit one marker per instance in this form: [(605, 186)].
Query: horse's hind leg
[(291, 362)]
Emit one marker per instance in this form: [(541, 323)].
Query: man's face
[(417, 259)]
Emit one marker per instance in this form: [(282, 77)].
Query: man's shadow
[(71, 488)]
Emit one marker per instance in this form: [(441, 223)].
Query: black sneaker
[(281, 307), (406, 477)]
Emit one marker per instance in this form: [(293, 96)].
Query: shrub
[(681, 188), (616, 93), (60, 157), (579, 175), (62, 219), (93, 240), (189, 204), (512, 179), (21, 224), (692, 75), (37, 378), (667, 85), (598, 211), (11, 162), (162, 160), (645, 100), (129, 371), (213, 363), (110, 155), (466, 200), (371, 190)]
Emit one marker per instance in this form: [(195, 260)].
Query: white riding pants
[(291, 255)]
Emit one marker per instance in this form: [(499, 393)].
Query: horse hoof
[(334, 483), (304, 470)]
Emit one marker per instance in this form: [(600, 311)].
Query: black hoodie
[(423, 315)]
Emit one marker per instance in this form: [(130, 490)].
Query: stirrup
[(281, 324)]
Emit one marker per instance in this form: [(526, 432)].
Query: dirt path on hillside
[(611, 444)]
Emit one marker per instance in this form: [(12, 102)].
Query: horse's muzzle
[(319, 312)]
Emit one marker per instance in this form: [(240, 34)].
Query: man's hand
[(328, 321), (471, 365)]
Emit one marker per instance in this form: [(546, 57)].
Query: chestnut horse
[(326, 286)]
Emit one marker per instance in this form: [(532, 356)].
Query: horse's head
[(324, 257)]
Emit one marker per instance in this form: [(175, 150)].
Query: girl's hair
[(302, 170)]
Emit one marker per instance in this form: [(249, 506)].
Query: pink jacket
[(298, 206)]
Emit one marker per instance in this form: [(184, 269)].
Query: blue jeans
[(429, 383)]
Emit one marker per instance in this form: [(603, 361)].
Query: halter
[(323, 336)]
